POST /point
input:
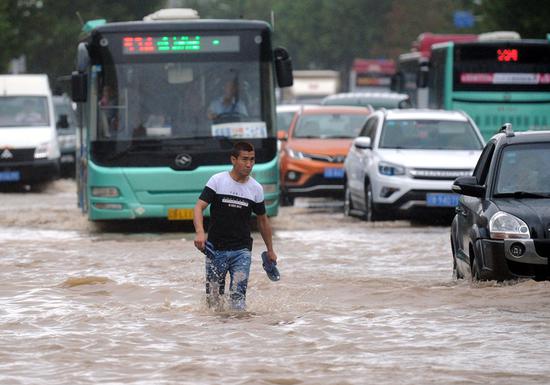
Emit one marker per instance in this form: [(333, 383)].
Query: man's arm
[(198, 221), (265, 229)]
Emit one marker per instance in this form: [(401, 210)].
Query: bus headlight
[(105, 192), (505, 226), (269, 188)]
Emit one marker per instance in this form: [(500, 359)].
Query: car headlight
[(505, 226), (295, 154), (42, 150), (389, 169)]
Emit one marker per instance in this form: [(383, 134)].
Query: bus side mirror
[(397, 82), (422, 76), (283, 67), (79, 87)]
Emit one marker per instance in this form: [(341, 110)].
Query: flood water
[(357, 303)]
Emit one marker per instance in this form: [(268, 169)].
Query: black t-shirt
[(231, 206)]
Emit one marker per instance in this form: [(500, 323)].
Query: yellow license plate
[(180, 214)]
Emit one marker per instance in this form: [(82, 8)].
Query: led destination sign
[(171, 44)]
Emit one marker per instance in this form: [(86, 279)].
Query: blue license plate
[(336, 173), (10, 176), (441, 200)]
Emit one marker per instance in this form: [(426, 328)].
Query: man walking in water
[(233, 195)]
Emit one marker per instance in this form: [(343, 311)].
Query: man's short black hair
[(241, 146)]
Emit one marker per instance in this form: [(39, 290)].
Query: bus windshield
[(163, 100), (505, 67)]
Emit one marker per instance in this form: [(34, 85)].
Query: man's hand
[(200, 240), (272, 256)]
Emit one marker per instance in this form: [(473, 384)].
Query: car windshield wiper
[(521, 194)]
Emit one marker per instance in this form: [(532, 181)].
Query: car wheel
[(371, 213), (286, 200), (348, 203), (476, 273)]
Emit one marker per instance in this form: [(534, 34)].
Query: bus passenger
[(233, 195), (107, 104)]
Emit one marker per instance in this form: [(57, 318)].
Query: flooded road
[(357, 303)]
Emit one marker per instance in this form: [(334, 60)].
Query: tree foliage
[(528, 17), (47, 31), (323, 34)]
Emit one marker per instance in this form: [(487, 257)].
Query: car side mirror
[(283, 67), (62, 122), (405, 103), (362, 142), (282, 135), (468, 185)]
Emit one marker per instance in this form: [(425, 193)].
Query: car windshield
[(429, 135), (284, 118), (23, 111), (335, 125), (63, 110), (524, 170)]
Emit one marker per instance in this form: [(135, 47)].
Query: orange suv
[(314, 150)]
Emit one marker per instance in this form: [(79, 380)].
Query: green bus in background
[(495, 82), (148, 140)]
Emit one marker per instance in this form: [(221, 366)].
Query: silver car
[(404, 162)]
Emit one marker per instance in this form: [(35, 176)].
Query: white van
[(29, 151)]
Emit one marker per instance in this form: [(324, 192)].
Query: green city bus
[(495, 82), (147, 144)]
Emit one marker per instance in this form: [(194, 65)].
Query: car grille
[(438, 174), (326, 158), (8, 155)]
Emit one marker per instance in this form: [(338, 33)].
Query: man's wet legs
[(239, 269), (216, 270)]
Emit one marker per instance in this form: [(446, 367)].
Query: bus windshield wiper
[(521, 194)]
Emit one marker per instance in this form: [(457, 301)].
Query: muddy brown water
[(357, 303)]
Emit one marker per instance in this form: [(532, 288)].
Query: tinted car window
[(524, 167), (482, 166), (370, 128), (329, 126), (429, 135)]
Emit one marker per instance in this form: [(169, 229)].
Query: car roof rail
[(507, 129)]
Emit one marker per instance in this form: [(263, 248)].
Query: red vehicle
[(371, 75), (412, 67), (424, 41), (314, 150)]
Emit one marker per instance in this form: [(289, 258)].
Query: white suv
[(405, 161)]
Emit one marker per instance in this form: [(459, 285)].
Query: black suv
[(501, 229)]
